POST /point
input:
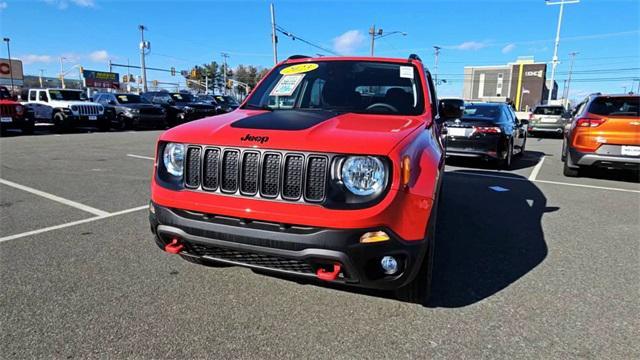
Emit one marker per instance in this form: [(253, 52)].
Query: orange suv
[(605, 132)]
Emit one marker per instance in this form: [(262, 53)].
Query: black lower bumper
[(287, 249), (608, 160)]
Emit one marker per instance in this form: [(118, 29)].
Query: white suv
[(66, 108)]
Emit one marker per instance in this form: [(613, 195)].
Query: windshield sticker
[(287, 85), (406, 72), (298, 69), (123, 97)]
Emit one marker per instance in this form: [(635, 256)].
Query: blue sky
[(472, 32)]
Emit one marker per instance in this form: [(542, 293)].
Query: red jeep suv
[(330, 170)]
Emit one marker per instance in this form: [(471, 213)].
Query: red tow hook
[(322, 274), (174, 247)]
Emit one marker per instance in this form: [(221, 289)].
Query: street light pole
[(379, 34), (143, 46), (224, 74), (7, 40), (274, 37), (435, 68), (566, 95), (554, 64), (62, 72)]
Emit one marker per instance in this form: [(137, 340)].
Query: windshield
[(620, 106), (548, 110), (4, 93), (130, 99), (345, 86), (180, 97), (481, 113), (230, 100), (67, 95)]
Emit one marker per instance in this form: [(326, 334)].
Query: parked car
[(14, 115), (605, 132), (309, 177), (180, 107), (132, 111), (489, 131), (211, 100), (66, 109), (228, 103), (548, 119)]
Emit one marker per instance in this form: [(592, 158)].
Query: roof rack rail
[(295, 57), (414, 57)]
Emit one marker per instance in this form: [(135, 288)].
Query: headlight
[(174, 158), (100, 108), (74, 108), (187, 109), (364, 175), (133, 111)]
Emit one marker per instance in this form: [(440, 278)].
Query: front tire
[(418, 290), (61, 124)]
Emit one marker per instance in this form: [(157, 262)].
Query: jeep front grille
[(8, 110), (289, 176), (87, 110)]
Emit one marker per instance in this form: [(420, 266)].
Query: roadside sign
[(9, 70), (101, 79)]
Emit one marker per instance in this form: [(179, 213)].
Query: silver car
[(548, 119)]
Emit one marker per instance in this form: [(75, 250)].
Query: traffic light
[(125, 78), (173, 71), (81, 69), (155, 83), (229, 84), (194, 73)]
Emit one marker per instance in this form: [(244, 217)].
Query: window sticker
[(298, 69), (406, 72), (123, 98), (287, 85)]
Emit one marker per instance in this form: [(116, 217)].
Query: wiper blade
[(256, 107)]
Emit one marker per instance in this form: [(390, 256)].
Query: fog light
[(389, 265), (374, 236)]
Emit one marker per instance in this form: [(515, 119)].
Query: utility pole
[(7, 40), (40, 78), (372, 32), (224, 74), (274, 37), (435, 68), (557, 43), (566, 95), (143, 45), (62, 72)]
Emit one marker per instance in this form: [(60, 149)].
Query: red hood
[(339, 133), (8, 102)]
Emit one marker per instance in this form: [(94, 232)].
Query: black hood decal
[(285, 120)]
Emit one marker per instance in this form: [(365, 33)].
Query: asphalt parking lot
[(529, 264)]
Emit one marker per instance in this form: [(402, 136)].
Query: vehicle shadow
[(486, 238), (527, 160)]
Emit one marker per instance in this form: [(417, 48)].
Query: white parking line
[(73, 223), (140, 157), (544, 181), (536, 169), (64, 201)]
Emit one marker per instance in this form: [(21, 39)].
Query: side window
[(43, 96), (98, 98), (433, 98), (32, 95)]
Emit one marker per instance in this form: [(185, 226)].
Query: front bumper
[(604, 157), (287, 249), (546, 128), (147, 120), (86, 120), (10, 122)]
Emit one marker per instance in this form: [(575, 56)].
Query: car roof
[(350, 58)]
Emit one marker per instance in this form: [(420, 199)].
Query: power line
[(289, 34)]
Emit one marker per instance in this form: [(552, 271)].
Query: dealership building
[(524, 82)]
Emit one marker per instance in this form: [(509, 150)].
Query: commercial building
[(524, 82)]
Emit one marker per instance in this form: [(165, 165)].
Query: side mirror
[(524, 122), (451, 109)]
